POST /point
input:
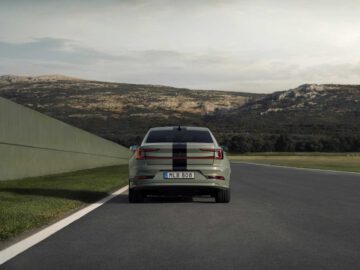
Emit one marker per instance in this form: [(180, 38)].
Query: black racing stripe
[(179, 157), (181, 128)]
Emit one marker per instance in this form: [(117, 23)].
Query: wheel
[(135, 196), (223, 196)]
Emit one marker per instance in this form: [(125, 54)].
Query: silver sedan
[(179, 161)]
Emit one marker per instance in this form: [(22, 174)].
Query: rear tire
[(223, 196), (135, 196)]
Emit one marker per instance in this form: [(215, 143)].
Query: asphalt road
[(278, 219)]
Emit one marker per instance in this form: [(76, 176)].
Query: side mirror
[(133, 147), (225, 148)]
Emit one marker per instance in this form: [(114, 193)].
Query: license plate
[(179, 175)]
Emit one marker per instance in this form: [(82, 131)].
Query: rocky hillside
[(306, 105), (311, 97), (115, 110), (307, 118), (9, 79)]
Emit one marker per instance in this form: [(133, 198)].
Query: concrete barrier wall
[(33, 144)]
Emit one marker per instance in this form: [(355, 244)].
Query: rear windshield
[(183, 135)]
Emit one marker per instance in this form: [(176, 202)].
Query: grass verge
[(349, 162), (30, 203)]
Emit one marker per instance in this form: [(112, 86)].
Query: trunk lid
[(179, 155)]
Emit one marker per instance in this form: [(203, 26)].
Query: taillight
[(140, 153), (218, 153)]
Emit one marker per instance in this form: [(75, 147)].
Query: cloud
[(51, 49), (233, 44), (211, 70)]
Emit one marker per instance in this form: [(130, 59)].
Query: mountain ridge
[(310, 117), (11, 78), (8, 78)]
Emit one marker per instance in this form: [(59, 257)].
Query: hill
[(9, 79), (308, 118), (117, 111)]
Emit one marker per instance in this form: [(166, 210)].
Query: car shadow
[(123, 198), (87, 196)]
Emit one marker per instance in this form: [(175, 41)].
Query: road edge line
[(295, 168), (19, 247)]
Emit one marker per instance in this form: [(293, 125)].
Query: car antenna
[(179, 127)]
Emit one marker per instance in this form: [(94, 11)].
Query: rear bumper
[(177, 189), (140, 168), (203, 182)]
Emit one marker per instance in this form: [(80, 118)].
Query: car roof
[(182, 127)]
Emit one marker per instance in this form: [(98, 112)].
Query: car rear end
[(178, 161)]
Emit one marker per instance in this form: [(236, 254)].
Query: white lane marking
[(19, 247), (296, 168)]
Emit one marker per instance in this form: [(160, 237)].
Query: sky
[(250, 46)]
